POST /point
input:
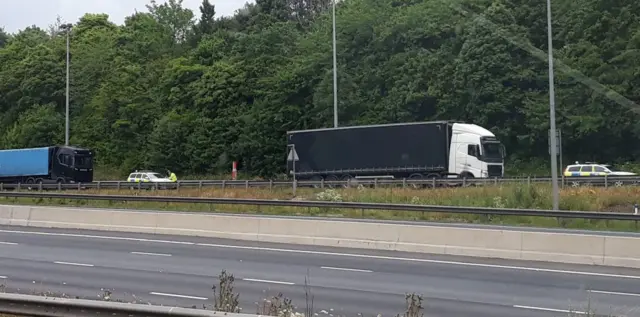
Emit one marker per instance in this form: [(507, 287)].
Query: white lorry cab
[(475, 152)]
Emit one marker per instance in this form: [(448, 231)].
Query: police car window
[(599, 169), (574, 169), (586, 168)]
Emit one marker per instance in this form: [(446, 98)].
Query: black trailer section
[(407, 150)]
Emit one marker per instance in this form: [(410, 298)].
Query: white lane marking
[(353, 255), (382, 257), (75, 264), (614, 293), (8, 243), (3, 277), (74, 235), (345, 269), (178, 295), (152, 254), (267, 281), (551, 309)]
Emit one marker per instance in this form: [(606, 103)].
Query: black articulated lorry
[(61, 164), (407, 150)]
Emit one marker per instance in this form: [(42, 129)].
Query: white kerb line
[(345, 269), (8, 243)]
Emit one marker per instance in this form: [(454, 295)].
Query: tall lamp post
[(67, 27), (552, 115), (335, 71)]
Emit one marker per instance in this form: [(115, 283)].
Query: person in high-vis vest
[(173, 177)]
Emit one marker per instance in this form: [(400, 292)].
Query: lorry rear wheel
[(332, 178), (316, 180), (416, 177), (348, 180), (30, 182), (433, 178)]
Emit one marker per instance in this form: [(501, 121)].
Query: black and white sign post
[(293, 158)]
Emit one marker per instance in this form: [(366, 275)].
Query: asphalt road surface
[(180, 271)]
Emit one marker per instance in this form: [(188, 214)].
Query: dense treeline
[(192, 91)]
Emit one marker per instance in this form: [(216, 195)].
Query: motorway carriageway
[(180, 271)]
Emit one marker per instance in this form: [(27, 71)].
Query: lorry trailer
[(60, 164), (436, 149)]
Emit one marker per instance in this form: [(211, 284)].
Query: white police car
[(597, 170)]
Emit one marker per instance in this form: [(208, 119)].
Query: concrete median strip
[(487, 243)]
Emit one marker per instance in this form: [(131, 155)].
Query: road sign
[(293, 155)]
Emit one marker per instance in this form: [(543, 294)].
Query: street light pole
[(552, 115), (67, 28), (335, 71)]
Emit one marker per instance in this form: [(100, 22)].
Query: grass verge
[(505, 196)]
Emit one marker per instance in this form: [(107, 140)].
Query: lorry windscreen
[(492, 151), (83, 161)]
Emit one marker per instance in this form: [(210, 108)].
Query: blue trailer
[(61, 164)]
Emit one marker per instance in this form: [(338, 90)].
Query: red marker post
[(234, 171)]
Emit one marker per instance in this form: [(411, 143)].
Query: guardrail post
[(99, 185), (495, 181), (271, 184), (464, 181), (79, 186), (322, 183), (224, 184), (404, 183), (118, 186), (200, 185), (433, 180), (375, 183), (39, 186), (178, 185), (528, 180), (1, 186), (19, 186), (246, 184), (606, 181)]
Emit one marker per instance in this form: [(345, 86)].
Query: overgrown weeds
[(225, 300)]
